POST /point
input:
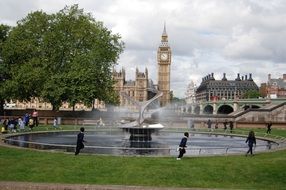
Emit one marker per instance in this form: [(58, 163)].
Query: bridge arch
[(208, 109), (225, 109)]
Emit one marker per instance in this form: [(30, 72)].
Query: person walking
[(250, 140), (21, 124), (35, 117), (55, 123), (80, 141), (183, 145), (11, 125), (225, 125), (209, 123), (231, 126), (26, 119), (216, 124), (269, 125)]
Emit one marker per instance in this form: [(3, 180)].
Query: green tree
[(66, 56), (4, 31), (252, 94)]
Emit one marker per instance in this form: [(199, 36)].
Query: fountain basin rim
[(192, 148)]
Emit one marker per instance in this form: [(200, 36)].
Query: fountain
[(113, 142), (140, 129), (107, 140)]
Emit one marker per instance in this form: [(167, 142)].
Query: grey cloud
[(205, 36), (14, 10)]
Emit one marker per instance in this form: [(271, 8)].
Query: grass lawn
[(262, 171)]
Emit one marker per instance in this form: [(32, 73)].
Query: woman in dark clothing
[(79, 143), (183, 145), (250, 140)]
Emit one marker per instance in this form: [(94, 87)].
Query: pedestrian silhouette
[(251, 140), (80, 141), (231, 126), (269, 125), (183, 145)]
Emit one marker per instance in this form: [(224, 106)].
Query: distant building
[(275, 88), (191, 93), (36, 103), (164, 59), (211, 89), (263, 90), (139, 89)]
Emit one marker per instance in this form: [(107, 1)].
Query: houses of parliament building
[(141, 89)]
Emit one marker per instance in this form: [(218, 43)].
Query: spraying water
[(140, 129)]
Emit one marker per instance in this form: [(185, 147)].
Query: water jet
[(140, 128)]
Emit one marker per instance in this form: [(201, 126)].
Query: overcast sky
[(206, 36)]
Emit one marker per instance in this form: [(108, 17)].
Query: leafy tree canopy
[(66, 56), (4, 31), (251, 94)]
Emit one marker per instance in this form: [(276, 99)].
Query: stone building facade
[(164, 58), (36, 103), (141, 88), (212, 89), (275, 87), (191, 93)]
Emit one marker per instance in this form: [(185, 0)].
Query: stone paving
[(49, 186)]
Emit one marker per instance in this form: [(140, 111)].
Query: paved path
[(48, 186)]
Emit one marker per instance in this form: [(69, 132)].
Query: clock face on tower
[(164, 56)]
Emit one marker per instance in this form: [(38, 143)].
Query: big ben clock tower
[(164, 63)]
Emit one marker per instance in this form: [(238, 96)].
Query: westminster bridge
[(245, 113), (228, 106)]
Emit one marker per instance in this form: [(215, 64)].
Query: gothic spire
[(164, 39), (164, 31)]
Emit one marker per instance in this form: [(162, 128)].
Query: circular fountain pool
[(117, 142)]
